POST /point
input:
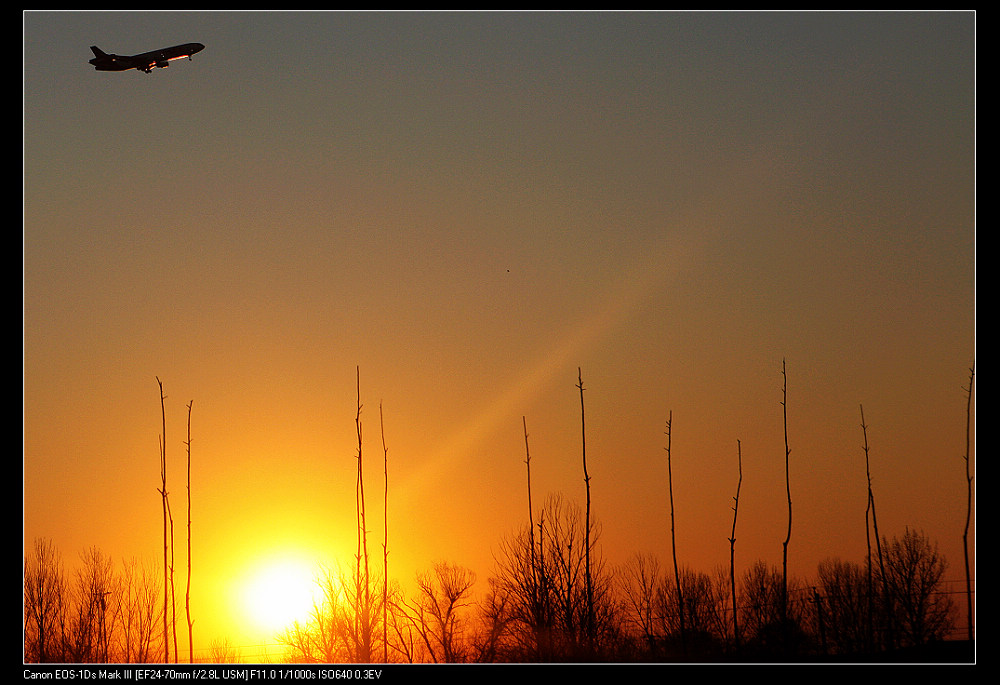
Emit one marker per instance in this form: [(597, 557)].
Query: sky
[(459, 214)]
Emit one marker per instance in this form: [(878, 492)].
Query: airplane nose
[(198, 47)]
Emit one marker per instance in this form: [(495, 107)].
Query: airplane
[(146, 61)]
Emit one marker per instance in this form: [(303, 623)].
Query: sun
[(279, 592)]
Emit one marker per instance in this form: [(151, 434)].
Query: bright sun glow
[(279, 593)]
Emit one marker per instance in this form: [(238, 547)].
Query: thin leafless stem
[(166, 545), (968, 510), (531, 521), (732, 543), (363, 597), (673, 537), (788, 493), (187, 593), (586, 480), (385, 539), (878, 543)]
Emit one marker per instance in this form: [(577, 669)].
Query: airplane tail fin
[(97, 51)]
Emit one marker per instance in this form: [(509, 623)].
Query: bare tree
[(385, 540), (537, 607), (723, 628), (968, 509), (520, 585), (173, 587), (846, 607), (489, 640), (771, 622), (554, 626), (678, 590), (166, 508), (639, 582), (334, 632), (362, 600), (732, 545), (344, 625), (872, 613), (533, 589), (699, 602), (589, 625), (323, 637), (788, 493), (93, 619), (404, 642), (222, 652), (913, 572), (45, 604), (102, 615), (440, 614), (187, 591), (139, 608)]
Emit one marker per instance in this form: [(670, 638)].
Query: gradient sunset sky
[(469, 207)]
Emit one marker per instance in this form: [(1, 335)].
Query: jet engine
[(163, 64)]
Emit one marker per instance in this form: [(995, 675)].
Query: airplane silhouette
[(145, 61)]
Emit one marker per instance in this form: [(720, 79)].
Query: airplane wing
[(147, 61)]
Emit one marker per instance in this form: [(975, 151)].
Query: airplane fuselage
[(146, 61)]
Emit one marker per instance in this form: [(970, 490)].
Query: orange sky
[(468, 207)]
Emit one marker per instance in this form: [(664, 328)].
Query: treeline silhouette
[(550, 597), (530, 612)]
